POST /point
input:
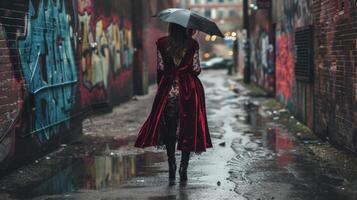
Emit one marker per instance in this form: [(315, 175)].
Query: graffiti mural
[(284, 69), (106, 48), (262, 54), (61, 58), (49, 68), (294, 14)]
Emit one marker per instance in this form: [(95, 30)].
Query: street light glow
[(206, 55), (208, 38), (213, 38)]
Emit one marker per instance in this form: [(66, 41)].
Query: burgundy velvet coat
[(193, 133)]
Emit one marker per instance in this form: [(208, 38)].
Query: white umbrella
[(189, 19)]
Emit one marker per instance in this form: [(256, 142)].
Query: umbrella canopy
[(189, 19)]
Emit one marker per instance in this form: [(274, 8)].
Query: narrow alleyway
[(252, 158)]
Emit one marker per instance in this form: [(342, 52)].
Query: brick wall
[(11, 99), (336, 71)]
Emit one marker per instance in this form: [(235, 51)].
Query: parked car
[(213, 63), (217, 63)]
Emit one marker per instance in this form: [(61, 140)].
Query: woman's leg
[(170, 148), (171, 124), (185, 157)]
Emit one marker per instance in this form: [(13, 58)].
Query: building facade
[(226, 13)]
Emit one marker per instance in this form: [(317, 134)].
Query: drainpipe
[(247, 43), (139, 75)]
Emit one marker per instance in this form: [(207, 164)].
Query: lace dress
[(170, 122)]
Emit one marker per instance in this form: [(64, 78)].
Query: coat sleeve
[(160, 65), (196, 60)]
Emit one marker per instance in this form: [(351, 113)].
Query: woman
[(178, 112)]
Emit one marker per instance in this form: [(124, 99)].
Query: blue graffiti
[(49, 67)]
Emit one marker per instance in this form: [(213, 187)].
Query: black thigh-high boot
[(171, 119), (170, 148), (185, 157)]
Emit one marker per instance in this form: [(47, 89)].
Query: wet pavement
[(253, 158)]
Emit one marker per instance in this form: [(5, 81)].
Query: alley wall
[(336, 71), (288, 17), (326, 98), (63, 59), (262, 54)]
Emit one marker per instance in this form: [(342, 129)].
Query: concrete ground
[(253, 158)]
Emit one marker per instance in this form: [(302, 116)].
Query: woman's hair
[(179, 38)]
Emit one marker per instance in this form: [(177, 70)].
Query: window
[(208, 13), (220, 14), (232, 13)]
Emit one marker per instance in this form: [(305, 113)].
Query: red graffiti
[(85, 6), (284, 67)]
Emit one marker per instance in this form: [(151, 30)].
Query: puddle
[(268, 156), (95, 173)]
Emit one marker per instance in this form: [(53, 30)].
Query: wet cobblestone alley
[(253, 158)]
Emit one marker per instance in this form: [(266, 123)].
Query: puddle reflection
[(94, 173), (253, 117), (281, 144), (274, 138)]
